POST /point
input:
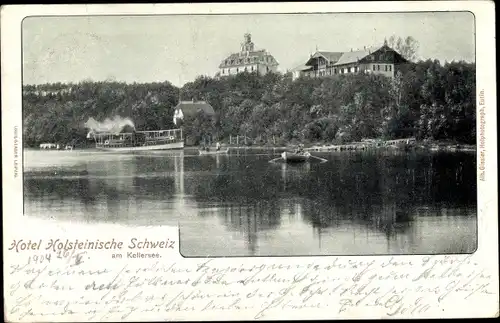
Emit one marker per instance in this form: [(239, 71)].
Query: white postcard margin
[(93, 286)]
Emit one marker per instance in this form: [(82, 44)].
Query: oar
[(321, 159), (275, 159)]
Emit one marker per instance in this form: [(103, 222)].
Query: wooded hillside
[(428, 100)]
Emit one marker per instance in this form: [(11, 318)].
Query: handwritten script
[(262, 288)]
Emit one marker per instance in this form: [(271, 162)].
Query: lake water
[(355, 203)]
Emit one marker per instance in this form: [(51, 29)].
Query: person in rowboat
[(299, 150)]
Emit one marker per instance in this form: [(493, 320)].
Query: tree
[(198, 127), (57, 112), (407, 47)]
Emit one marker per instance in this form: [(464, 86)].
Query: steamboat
[(138, 140)]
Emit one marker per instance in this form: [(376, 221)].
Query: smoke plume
[(114, 125)]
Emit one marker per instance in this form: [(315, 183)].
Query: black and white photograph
[(257, 134)]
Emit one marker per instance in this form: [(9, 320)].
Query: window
[(378, 67), (386, 68), (334, 71), (223, 70), (267, 68), (245, 68), (373, 67), (390, 67), (252, 68), (237, 70)]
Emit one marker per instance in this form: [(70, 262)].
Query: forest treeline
[(426, 100)]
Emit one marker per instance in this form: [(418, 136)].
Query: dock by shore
[(399, 144)]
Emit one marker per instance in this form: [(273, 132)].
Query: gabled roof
[(358, 55), (398, 58), (343, 58), (332, 57), (193, 107), (354, 56)]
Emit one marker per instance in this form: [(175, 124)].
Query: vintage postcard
[(258, 161)]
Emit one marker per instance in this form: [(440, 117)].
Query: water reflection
[(358, 203)]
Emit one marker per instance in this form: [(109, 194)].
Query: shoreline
[(398, 144), (355, 146)]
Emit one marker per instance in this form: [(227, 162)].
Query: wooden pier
[(365, 145), (338, 147)]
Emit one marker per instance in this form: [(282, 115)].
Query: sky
[(178, 48)]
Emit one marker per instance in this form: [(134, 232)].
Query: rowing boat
[(295, 157), (213, 152)]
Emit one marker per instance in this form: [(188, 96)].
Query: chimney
[(351, 49), (364, 47)]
